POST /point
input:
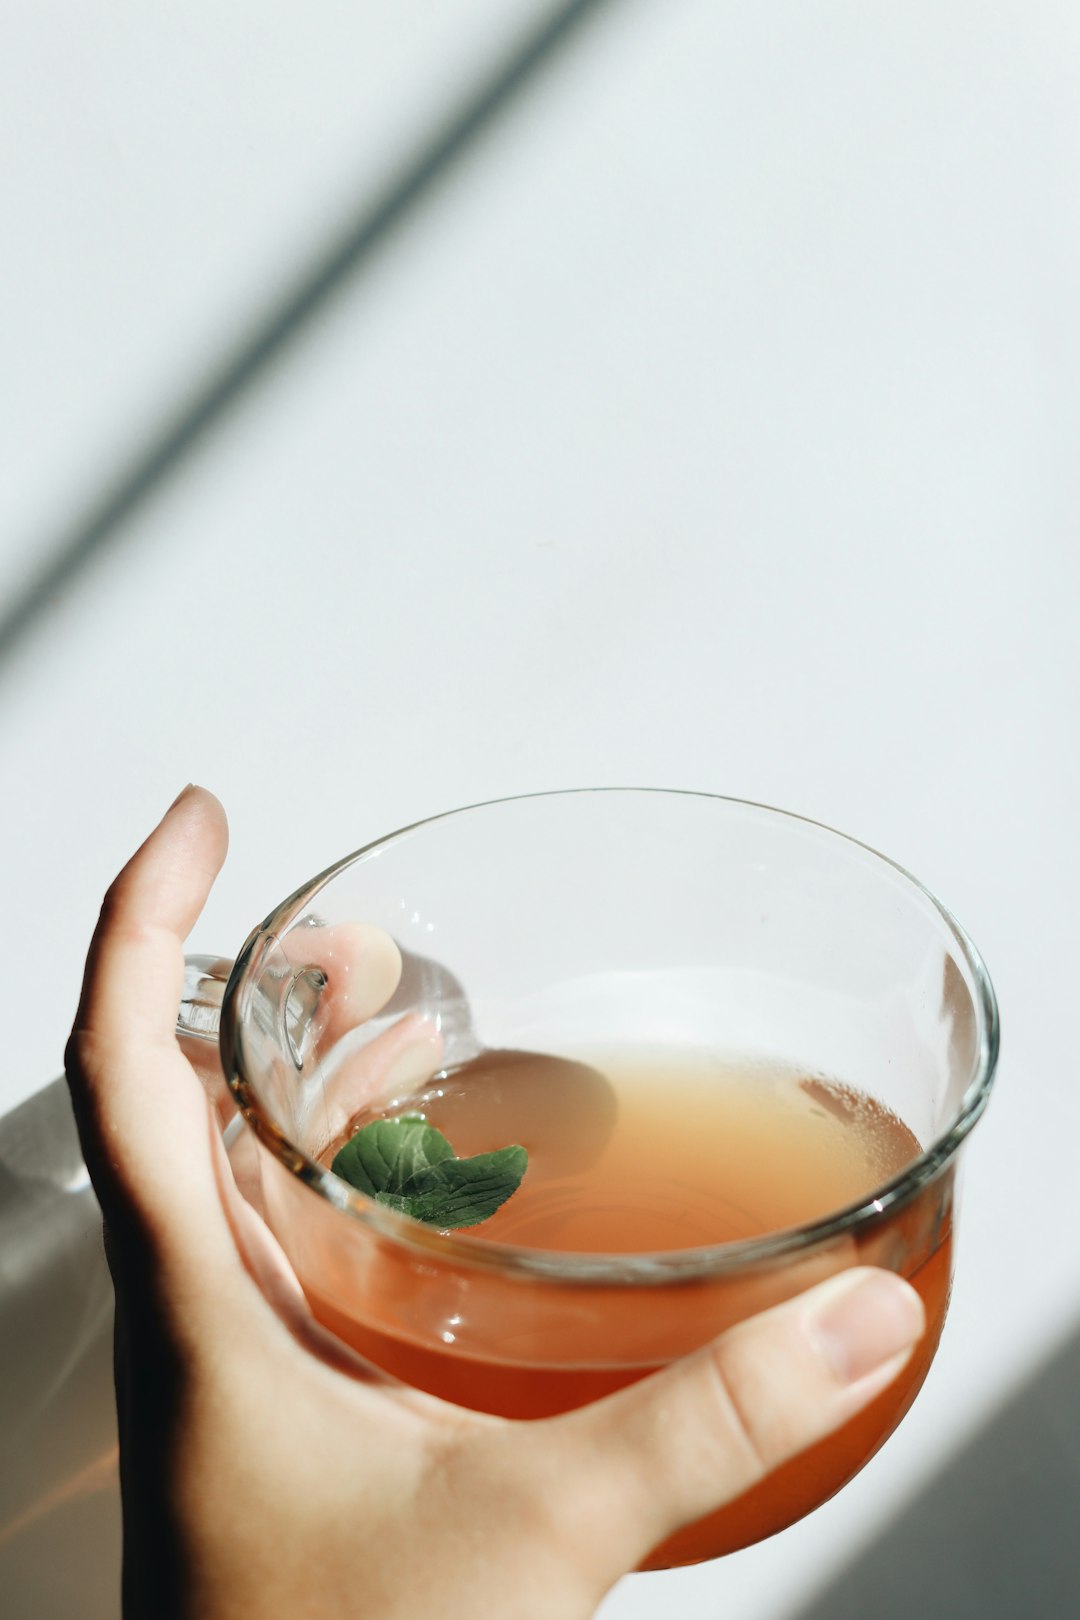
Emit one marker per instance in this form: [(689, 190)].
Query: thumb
[(639, 1465)]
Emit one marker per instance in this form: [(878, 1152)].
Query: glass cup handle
[(205, 978), (197, 1021)]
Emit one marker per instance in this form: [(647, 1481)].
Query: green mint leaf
[(408, 1165), (385, 1155), (462, 1192)]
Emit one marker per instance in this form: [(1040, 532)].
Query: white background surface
[(713, 425)]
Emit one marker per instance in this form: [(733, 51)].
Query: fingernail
[(864, 1319), (180, 795)]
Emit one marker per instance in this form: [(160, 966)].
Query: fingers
[(395, 1063), (680, 1444), (346, 974), (148, 912), (142, 1113), (360, 965)]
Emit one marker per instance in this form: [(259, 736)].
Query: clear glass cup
[(556, 923)]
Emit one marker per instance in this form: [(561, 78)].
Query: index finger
[(142, 1112), (147, 913)]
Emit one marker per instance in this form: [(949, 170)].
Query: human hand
[(267, 1472)]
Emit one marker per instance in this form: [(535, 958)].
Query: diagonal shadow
[(996, 1534), (67, 553)]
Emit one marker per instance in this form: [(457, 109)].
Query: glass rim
[(682, 1265)]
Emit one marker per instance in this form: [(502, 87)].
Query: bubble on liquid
[(885, 1142)]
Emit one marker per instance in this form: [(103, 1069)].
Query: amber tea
[(641, 1153), (627, 934)]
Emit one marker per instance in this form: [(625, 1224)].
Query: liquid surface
[(654, 1151), (641, 1153)]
